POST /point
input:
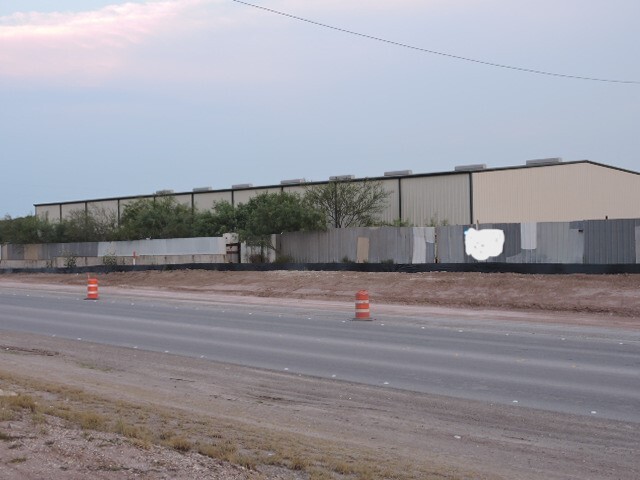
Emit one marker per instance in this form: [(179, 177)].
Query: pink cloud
[(81, 44)]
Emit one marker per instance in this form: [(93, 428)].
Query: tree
[(28, 229), (213, 223), (272, 213), (348, 203), (161, 217), (96, 225)]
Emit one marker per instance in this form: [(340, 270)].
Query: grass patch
[(299, 464), (7, 415), (91, 421), (18, 460), (180, 444), (19, 402), (226, 451)]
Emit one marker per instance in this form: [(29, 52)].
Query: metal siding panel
[(299, 189), (183, 199), (637, 243), (450, 244), (555, 193), (423, 244), (444, 198), (105, 207), (68, 208), (610, 241), (390, 213), (206, 200), (243, 196), (51, 212)]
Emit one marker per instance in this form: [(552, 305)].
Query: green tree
[(87, 226), (273, 213), (28, 229), (349, 203), (213, 223), (161, 217)]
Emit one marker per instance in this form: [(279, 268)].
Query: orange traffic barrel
[(92, 289), (362, 306)]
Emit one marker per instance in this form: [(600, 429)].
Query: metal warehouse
[(547, 190)]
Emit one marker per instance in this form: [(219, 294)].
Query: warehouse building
[(547, 190)]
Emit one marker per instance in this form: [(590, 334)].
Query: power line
[(434, 52)]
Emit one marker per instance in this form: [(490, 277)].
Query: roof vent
[(202, 189), (471, 168), (238, 186), (293, 181), (339, 178), (164, 192), (544, 161), (398, 173)]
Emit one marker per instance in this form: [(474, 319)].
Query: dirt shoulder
[(190, 418)]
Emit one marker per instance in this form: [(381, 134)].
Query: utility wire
[(434, 52)]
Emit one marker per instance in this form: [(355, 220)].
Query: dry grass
[(180, 444), (19, 402), (91, 421), (237, 443)]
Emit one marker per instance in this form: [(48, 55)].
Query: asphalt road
[(574, 370)]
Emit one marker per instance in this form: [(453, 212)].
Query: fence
[(589, 242)]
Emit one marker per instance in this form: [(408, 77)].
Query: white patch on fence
[(482, 244)]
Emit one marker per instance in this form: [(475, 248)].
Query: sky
[(101, 98)]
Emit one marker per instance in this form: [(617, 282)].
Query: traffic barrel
[(92, 289), (362, 305)]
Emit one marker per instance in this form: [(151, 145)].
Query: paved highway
[(564, 369)]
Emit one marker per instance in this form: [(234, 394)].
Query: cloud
[(140, 38), (86, 44)]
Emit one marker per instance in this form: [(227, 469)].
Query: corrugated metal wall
[(608, 242), (562, 192), (588, 242), (206, 200), (552, 193), (108, 207), (338, 245), (172, 246), (68, 208), (584, 242), (243, 196), (51, 212), (432, 201)]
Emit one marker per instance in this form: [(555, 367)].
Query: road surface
[(584, 371)]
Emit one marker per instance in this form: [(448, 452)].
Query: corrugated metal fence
[(593, 242)]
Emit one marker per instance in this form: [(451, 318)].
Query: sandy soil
[(186, 412), (608, 300)]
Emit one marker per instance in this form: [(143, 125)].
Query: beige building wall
[(106, 207), (299, 189), (126, 201), (51, 212), (390, 213), (243, 196), (436, 200), (205, 200), (184, 199), (555, 193), (67, 208)]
